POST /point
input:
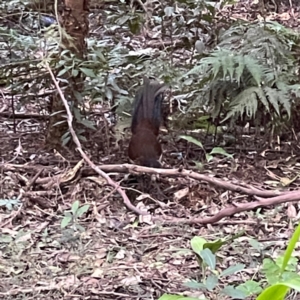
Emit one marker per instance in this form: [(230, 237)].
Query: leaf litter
[(116, 255)]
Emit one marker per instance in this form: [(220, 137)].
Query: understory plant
[(209, 156), (71, 217), (278, 277), (250, 75)]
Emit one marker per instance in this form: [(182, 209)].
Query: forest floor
[(111, 253)]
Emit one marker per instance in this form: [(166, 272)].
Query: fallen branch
[(233, 209), (264, 197), (125, 168)]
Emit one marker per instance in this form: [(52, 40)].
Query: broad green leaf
[(289, 275), (191, 140), (219, 150), (88, 124), (292, 263), (66, 140), (250, 287), (195, 285), (271, 271), (75, 72), (197, 244), (83, 209), (60, 122), (81, 137), (215, 245), (100, 56), (209, 258), (65, 135), (274, 292), (208, 157), (293, 283), (232, 270), (198, 165), (255, 244), (66, 221), (88, 72), (211, 282), (234, 293), (62, 72), (123, 20), (78, 96), (291, 247), (75, 207)]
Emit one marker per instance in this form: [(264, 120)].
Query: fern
[(248, 100), (245, 102), (226, 65), (254, 66)]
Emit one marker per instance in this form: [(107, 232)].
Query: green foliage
[(251, 72), (282, 274), (278, 277), (209, 156), (205, 253), (10, 203), (72, 216), (112, 67), (247, 102)]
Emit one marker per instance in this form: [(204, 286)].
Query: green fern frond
[(224, 64), (295, 89), (254, 66), (272, 96), (266, 45), (228, 65), (255, 69), (240, 68), (278, 97), (245, 102), (261, 95), (248, 100)]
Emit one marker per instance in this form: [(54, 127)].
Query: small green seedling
[(206, 257), (205, 253), (10, 204), (72, 216)]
